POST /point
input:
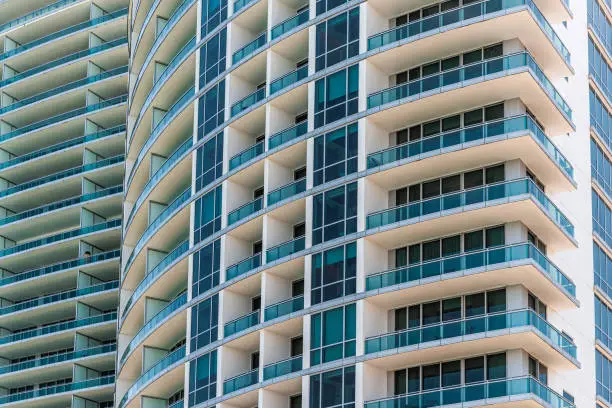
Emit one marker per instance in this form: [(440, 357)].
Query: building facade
[(63, 95), (367, 203)]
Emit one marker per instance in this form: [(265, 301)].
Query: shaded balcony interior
[(288, 61), (249, 31)]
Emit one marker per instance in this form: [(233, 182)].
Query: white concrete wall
[(234, 305), (274, 347)]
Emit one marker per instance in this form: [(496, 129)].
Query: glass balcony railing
[(62, 266), (62, 204), (63, 145), (71, 294), (288, 366), (479, 195), (285, 249), (239, 4), (246, 155), (486, 258), (59, 358), (58, 389), (151, 373), (154, 323), (26, 246), (66, 31), (468, 73), (248, 101), (116, 101), (249, 49), (64, 88), (62, 174), (470, 326), (58, 327), (240, 324), (244, 211), (68, 58), (36, 14), (243, 267), (458, 15), (288, 134), (284, 308), (289, 24), (155, 273), (469, 394), (288, 79), (240, 381), (289, 190), (477, 133)]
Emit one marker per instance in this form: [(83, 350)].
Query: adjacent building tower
[(366, 203), (63, 94)]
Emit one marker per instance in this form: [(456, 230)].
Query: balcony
[(36, 14), (240, 381), (249, 49), (289, 24), (244, 211), (240, 4), (240, 324), (58, 389), (503, 391), (246, 155), (287, 191), (288, 79), (248, 101), (284, 308), (285, 249), (284, 367), (243, 267), (288, 134)]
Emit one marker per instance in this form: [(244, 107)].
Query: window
[(598, 67), (334, 273), (208, 214), (603, 269), (326, 5), (337, 39), (335, 154), (333, 389), (295, 401), (336, 96), (538, 370), (203, 378), (206, 265), (204, 321), (603, 323), (332, 335), (536, 305), (209, 165), (176, 397), (602, 218), (601, 168), (334, 213), (599, 23), (214, 12), (297, 346), (601, 120), (211, 109), (212, 58)]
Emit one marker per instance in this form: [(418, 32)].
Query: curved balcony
[(62, 175), (51, 8), (58, 327), (59, 358), (287, 135), (240, 381), (248, 101), (63, 60), (59, 267), (486, 195), (284, 192), (154, 274), (246, 155), (153, 372), (241, 323), (64, 88), (483, 327), (58, 297), (64, 32), (290, 24), (58, 389), (26, 246), (502, 391), (153, 324), (249, 49), (284, 367), (288, 79), (283, 308), (285, 249), (244, 211), (243, 267), (240, 4), (85, 198)]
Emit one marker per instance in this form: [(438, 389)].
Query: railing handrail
[(245, 205), (297, 15), (280, 78), (34, 13), (252, 147), (243, 317), (301, 237), (287, 185), (284, 360), (60, 357), (291, 299), (254, 93), (246, 373)]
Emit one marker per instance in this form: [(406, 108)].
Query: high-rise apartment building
[(63, 93)]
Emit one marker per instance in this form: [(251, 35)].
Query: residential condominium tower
[(367, 203), (63, 95)]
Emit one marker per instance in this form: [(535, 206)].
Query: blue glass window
[(334, 388), (209, 165), (603, 323), (334, 213), (601, 120), (603, 373), (336, 96), (214, 12), (334, 273), (600, 70), (211, 109), (326, 5), (335, 154), (603, 270), (208, 214), (212, 57), (204, 322), (337, 39), (332, 334), (203, 378), (599, 23), (206, 265), (602, 219)]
